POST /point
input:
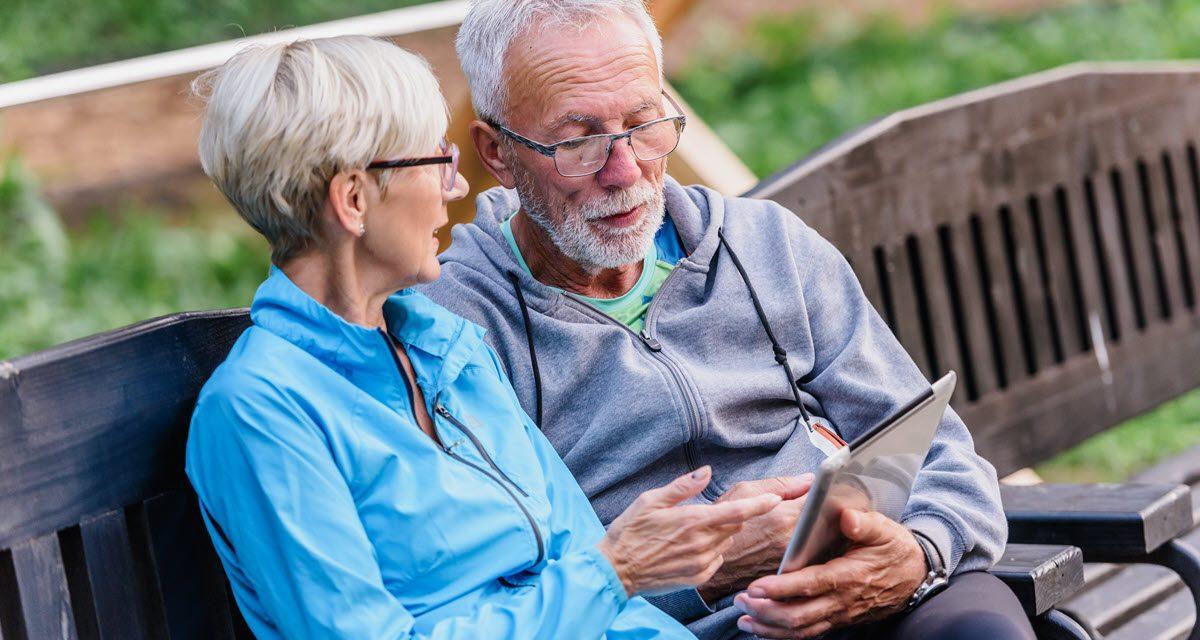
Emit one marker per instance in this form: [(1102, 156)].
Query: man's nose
[(622, 169)]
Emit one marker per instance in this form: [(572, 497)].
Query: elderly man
[(651, 328)]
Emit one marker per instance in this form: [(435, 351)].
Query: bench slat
[(1119, 597), (114, 579), (1128, 201), (1011, 365), (1161, 232), (1184, 215), (1075, 225), (1039, 333), (907, 322), (41, 584), (941, 311), (956, 239)]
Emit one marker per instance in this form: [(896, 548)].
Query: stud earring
[(362, 228)]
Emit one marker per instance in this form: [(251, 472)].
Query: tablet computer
[(875, 472)]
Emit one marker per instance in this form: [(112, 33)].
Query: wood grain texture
[(1041, 576)]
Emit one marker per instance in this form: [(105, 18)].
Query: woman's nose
[(461, 187)]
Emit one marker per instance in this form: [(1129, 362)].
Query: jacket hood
[(438, 342), (480, 245)]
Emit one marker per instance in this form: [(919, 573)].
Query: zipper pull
[(654, 345), (442, 411)]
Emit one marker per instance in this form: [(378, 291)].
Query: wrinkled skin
[(872, 580)]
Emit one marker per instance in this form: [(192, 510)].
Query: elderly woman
[(362, 464)]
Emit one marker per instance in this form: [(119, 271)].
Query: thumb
[(678, 490), (866, 528)]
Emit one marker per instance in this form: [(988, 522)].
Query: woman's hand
[(656, 546)]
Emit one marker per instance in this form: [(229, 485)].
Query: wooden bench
[(1042, 238)]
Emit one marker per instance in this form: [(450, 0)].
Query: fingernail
[(701, 472), (756, 592), (744, 625)]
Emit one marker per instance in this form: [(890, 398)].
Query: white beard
[(592, 247)]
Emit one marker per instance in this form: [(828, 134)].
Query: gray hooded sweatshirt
[(701, 384)]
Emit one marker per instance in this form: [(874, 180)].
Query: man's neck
[(550, 267)]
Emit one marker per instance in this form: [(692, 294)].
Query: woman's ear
[(487, 143), (348, 200)]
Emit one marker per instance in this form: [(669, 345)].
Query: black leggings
[(975, 605)]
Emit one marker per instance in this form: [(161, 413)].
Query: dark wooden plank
[(113, 577), (42, 589), (1040, 330), (1108, 238), (67, 452), (12, 622), (906, 323), (944, 333), (1095, 286), (1063, 277), (192, 582), (1139, 252), (1168, 618), (1164, 241), (972, 311), (1041, 576), (146, 566), (1121, 596), (1000, 290), (1106, 521), (1186, 219)]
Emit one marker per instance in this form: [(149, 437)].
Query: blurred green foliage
[(117, 270), (795, 83), (43, 36)]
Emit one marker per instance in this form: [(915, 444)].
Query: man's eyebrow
[(593, 121)]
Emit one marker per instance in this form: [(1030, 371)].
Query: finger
[(737, 511), (678, 490), (809, 582), (761, 630), (867, 528), (790, 487), (793, 614)]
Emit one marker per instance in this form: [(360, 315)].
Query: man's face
[(564, 83)]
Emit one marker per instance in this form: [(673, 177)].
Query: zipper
[(677, 374), (442, 411), (537, 532), (445, 413)]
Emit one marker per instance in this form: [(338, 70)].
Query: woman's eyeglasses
[(449, 161)]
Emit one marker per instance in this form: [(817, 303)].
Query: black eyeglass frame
[(549, 150), (451, 158)]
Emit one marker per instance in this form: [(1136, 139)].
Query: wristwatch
[(936, 578)]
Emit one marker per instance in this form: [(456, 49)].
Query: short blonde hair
[(283, 119)]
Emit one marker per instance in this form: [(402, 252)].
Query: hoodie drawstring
[(780, 354), (537, 374)]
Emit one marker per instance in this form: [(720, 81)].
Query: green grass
[(44, 36)]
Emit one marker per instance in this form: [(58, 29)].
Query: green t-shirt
[(628, 309)]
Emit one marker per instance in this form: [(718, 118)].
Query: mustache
[(619, 202)]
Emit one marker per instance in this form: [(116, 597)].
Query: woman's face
[(402, 224)]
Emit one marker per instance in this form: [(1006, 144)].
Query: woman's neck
[(337, 282)]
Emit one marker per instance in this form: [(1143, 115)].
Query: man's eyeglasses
[(449, 160), (585, 155)]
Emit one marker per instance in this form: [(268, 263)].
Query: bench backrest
[(100, 536), (1041, 237)]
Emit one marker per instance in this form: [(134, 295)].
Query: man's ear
[(347, 199), (487, 145)]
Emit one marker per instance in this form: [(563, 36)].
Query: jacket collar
[(438, 343)]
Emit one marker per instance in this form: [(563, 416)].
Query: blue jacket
[(335, 516)]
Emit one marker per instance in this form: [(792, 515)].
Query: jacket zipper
[(537, 532), (677, 374), (442, 411)]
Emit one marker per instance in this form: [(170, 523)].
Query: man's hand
[(758, 548), (872, 580)]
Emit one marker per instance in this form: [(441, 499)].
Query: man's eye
[(572, 144)]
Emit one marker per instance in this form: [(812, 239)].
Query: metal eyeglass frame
[(451, 158), (549, 150)]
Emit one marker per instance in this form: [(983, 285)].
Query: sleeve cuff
[(941, 534), (612, 580), (684, 605)]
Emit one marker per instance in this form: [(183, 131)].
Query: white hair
[(283, 119), (491, 26)]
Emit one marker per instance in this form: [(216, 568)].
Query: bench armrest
[(1040, 575), (1108, 522)]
